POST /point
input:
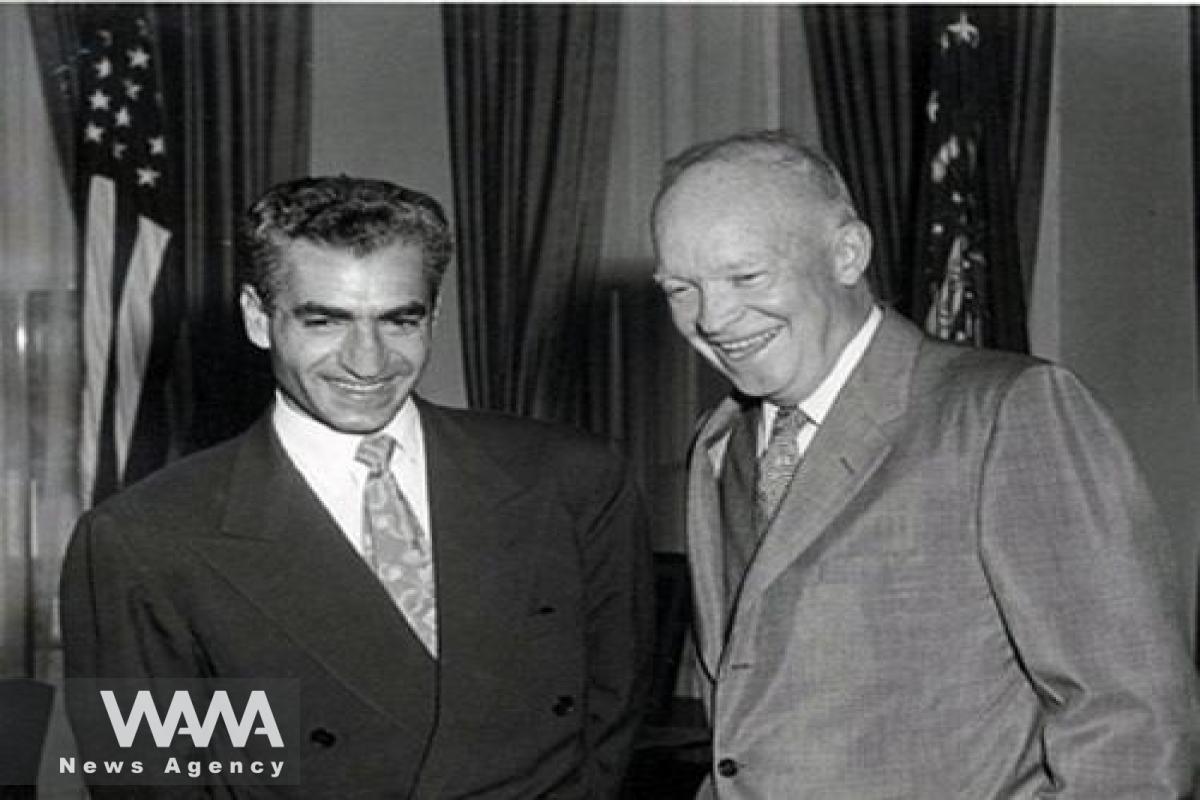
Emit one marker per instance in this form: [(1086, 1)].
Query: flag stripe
[(135, 330), (124, 163), (97, 322)]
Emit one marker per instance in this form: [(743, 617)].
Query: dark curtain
[(531, 92), (869, 64), (58, 40), (243, 119), (72, 43), (969, 287), (236, 88), (874, 68)]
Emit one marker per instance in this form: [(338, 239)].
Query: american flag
[(969, 285), (955, 226), (127, 203)]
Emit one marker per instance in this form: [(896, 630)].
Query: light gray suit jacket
[(966, 593)]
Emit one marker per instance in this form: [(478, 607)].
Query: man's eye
[(404, 323), (748, 279), (318, 322), (675, 291)]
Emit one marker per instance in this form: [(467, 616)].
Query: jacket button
[(563, 705), (322, 737), (727, 767)]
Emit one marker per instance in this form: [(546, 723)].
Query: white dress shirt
[(325, 458), (816, 406)]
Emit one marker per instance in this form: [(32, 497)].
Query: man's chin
[(359, 430), (360, 423), (749, 386), (749, 379)]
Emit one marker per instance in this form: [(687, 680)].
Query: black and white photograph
[(599, 401)]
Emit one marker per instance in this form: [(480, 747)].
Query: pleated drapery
[(531, 95), (236, 93), (244, 121), (235, 89), (39, 361), (869, 67), (875, 69)]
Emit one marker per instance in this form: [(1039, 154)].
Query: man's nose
[(363, 354), (716, 309)]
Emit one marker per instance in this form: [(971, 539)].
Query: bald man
[(921, 570)]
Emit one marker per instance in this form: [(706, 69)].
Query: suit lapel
[(704, 530), (475, 512), (280, 548), (849, 446)]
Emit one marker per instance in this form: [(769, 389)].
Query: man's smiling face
[(757, 279), (348, 335)]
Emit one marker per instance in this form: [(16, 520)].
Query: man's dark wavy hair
[(358, 215)]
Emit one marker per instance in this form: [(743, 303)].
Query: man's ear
[(255, 317), (851, 252), (435, 313)]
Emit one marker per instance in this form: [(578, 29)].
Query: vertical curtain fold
[(240, 108), (874, 68), (130, 277), (1194, 68), (243, 118), (531, 92), (1029, 43), (235, 91), (967, 261), (868, 65), (57, 39), (38, 352)]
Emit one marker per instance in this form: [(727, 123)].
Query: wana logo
[(181, 718)]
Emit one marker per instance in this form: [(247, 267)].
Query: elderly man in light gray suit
[(921, 570)]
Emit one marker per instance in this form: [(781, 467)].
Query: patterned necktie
[(397, 548), (778, 463)]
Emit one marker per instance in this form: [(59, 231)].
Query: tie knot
[(788, 421), (376, 452)]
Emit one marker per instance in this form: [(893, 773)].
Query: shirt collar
[(816, 406), (317, 443)]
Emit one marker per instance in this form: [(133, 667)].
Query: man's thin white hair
[(774, 149)]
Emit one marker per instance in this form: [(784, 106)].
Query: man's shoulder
[(194, 484), (901, 352), (956, 368), (987, 383), (504, 427), (526, 447)]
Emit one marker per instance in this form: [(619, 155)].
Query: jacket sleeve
[(619, 626), (116, 620), (119, 629), (1082, 570)]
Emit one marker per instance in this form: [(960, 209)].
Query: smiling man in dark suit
[(463, 597)]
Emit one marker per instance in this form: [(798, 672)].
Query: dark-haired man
[(463, 597), (921, 571)]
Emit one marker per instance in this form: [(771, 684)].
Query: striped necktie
[(395, 545)]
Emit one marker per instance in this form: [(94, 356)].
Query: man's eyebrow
[(312, 309), (413, 309)]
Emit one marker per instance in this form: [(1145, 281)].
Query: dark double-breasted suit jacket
[(226, 566)]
